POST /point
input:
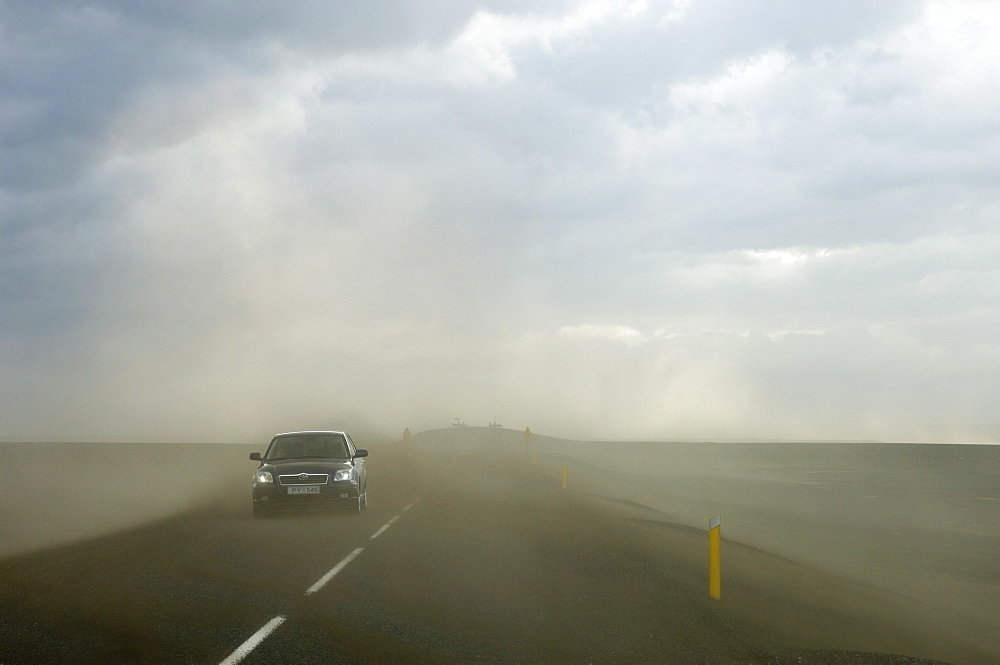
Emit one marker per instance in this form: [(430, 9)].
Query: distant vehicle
[(310, 470)]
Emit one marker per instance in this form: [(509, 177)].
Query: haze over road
[(611, 220), (467, 554)]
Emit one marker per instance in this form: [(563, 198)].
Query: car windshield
[(308, 445)]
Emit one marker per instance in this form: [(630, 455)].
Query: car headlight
[(342, 474), (264, 477)]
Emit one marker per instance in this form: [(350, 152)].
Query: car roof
[(321, 431)]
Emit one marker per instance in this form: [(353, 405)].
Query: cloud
[(639, 218), (622, 334), (756, 265)]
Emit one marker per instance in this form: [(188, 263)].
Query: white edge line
[(243, 650), (333, 571), (409, 506)]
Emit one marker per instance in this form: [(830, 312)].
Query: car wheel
[(364, 501), (260, 511)]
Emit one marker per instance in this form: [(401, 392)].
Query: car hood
[(306, 465)]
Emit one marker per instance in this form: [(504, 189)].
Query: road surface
[(464, 556)]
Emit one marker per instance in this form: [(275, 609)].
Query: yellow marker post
[(564, 477), (714, 559), (534, 458)]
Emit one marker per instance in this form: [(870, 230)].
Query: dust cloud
[(904, 534), (900, 538), (55, 493)]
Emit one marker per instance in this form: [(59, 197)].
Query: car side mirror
[(255, 457), (361, 452)]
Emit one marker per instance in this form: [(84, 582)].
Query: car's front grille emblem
[(304, 479)]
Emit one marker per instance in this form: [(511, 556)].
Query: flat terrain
[(467, 554)]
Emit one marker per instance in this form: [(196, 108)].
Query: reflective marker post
[(714, 561)]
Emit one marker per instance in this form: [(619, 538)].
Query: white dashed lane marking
[(384, 527), (244, 649), (333, 571)]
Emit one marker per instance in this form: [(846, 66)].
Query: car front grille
[(304, 479)]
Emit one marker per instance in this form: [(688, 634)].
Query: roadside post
[(714, 560), (564, 477)]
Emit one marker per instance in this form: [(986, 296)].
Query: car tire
[(260, 512), (364, 500)]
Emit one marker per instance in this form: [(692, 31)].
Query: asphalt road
[(463, 556)]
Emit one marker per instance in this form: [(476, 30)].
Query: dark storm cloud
[(67, 68)]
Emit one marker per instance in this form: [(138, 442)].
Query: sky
[(690, 219)]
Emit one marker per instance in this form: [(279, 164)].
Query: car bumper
[(278, 496)]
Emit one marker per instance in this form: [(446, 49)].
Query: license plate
[(314, 489)]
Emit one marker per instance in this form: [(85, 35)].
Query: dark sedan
[(310, 470)]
